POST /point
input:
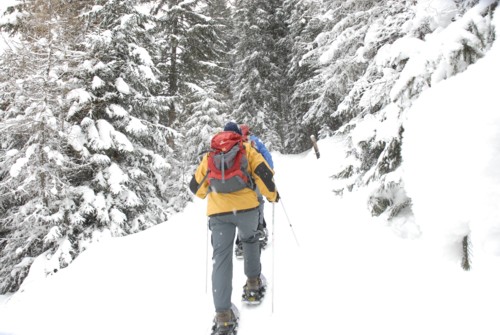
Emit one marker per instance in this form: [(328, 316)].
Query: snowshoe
[(262, 232), (238, 250), (253, 295), (263, 237), (226, 324)]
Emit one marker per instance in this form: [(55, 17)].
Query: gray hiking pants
[(223, 229)]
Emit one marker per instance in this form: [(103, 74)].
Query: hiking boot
[(225, 323), (254, 290), (253, 283)]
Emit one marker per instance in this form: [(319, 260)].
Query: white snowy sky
[(350, 275)]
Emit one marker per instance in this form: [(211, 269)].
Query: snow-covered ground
[(348, 274)]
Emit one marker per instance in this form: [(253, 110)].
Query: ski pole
[(272, 271), (289, 222)]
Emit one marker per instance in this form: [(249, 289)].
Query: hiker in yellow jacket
[(228, 210)]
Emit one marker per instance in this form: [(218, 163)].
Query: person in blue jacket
[(262, 227), (257, 143)]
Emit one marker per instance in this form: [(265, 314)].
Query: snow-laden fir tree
[(407, 49), (115, 116), (195, 42), (334, 51), (304, 24), (207, 102), (260, 90), (221, 66), (83, 153), (383, 26), (188, 41), (356, 66), (37, 166), (169, 15)]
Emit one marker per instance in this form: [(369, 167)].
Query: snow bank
[(451, 154)]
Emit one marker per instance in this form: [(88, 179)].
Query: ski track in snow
[(348, 275)]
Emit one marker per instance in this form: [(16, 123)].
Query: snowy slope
[(348, 275), (451, 152)]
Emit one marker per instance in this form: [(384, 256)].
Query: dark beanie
[(231, 126)]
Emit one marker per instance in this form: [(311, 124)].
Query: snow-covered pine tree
[(335, 52), (189, 42), (194, 47), (260, 92), (304, 24), (169, 15), (220, 15), (115, 116), (279, 115), (37, 167), (208, 102), (83, 155), (367, 95), (406, 49)]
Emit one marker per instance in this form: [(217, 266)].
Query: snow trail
[(350, 274)]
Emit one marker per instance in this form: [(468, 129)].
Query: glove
[(277, 197)]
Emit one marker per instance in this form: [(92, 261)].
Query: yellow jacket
[(242, 200)]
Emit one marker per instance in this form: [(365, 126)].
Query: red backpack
[(227, 164)]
